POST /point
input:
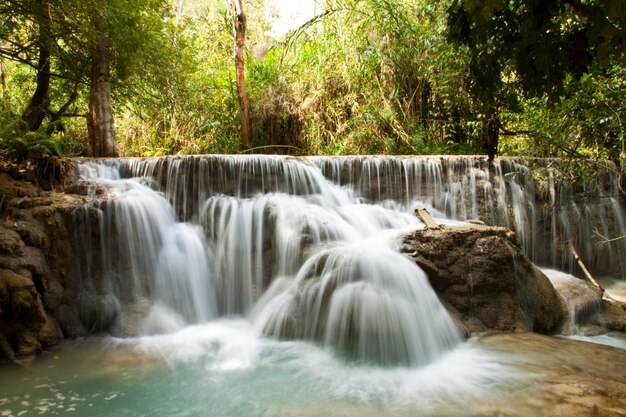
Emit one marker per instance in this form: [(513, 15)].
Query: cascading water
[(196, 256), (147, 255), (206, 236), (526, 196), (302, 257), (546, 214)]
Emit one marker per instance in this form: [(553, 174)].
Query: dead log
[(584, 268), (426, 218)]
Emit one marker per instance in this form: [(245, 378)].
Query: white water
[(298, 256), (223, 369), (148, 253)]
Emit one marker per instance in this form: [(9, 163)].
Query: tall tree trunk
[(40, 101), (492, 136), (100, 123), (239, 28), (3, 83), (425, 104)]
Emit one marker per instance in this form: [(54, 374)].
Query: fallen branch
[(426, 218), (584, 268), (270, 147), (606, 240)]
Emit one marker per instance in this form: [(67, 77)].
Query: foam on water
[(343, 282), (233, 346), (223, 368)]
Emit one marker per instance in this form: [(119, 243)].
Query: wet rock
[(50, 333), (577, 378), (581, 297), (39, 281), (22, 316), (482, 275), (129, 324), (69, 321), (591, 311), (97, 312), (611, 316), (19, 299), (10, 243), (11, 188)]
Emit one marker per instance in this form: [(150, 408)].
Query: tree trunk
[(425, 104), (3, 84), (239, 27), (492, 136), (40, 101), (100, 123)]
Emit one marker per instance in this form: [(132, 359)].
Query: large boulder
[(483, 277)]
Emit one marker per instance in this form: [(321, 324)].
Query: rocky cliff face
[(488, 284), (38, 281)]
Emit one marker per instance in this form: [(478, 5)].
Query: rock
[(576, 378), (591, 312), (39, 281), (129, 323), (31, 236), (10, 242), (22, 316), (611, 316), (6, 350), (97, 312), (26, 344), (67, 317), (50, 334), (581, 297), (20, 300), (11, 189), (482, 275)]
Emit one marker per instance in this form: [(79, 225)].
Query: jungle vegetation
[(529, 78)]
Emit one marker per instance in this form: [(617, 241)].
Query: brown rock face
[(485, 280), (24, 326), (591, 311), (38, 279)]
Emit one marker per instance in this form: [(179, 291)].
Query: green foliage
[(363, 77), (19, 142), (367, 76), (544, 59), (587, 123)]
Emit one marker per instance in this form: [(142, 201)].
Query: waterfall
[(546, 212), (529, 197), (269, 238), (306, 247), (147, 254)]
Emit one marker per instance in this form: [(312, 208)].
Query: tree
[(86, 55), (38, 106), (531, 47), (239, 29), (100, 114)]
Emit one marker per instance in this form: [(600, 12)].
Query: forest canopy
[(154, 77)]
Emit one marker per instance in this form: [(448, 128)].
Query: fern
[(23, 144)]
